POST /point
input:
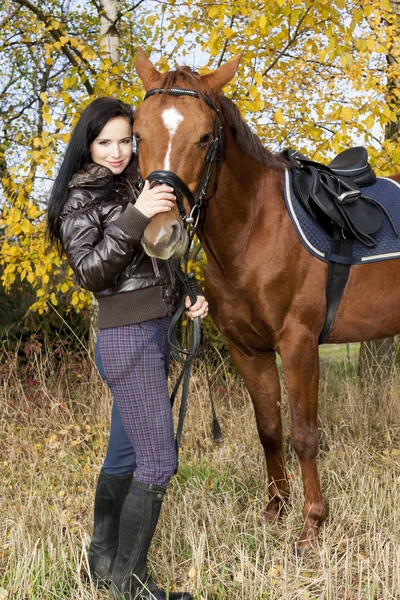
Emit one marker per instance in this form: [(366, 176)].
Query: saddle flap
[(358, 213), (336, 199), (308, 189), (364, 215), (323, 198), (302, 184)]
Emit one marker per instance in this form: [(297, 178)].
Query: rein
[(196, 200)]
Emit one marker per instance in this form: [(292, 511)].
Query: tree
[(376, 362), (110, 41), (311, 76), (59, 65)]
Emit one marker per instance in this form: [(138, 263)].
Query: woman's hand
[(155, 200), (199, 309)]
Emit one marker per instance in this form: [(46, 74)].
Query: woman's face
[(113, 146)]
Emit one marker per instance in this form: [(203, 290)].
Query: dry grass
[(211, 539)]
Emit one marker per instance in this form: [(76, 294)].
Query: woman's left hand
[(199, 309)]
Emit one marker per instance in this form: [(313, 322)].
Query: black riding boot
[(138, 522), (109, 499)]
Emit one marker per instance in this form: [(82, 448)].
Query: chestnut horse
[(266, 291)]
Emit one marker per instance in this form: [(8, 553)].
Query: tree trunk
[(109, 47), (393, 127), (109, 34), (375, 363)]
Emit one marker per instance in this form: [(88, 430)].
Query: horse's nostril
[(176, 231)]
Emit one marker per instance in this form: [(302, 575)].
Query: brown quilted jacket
[(101, 231)]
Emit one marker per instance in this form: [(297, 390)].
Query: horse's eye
[(205, 139), (137, 136)]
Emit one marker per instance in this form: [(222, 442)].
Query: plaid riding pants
[(134, 361)]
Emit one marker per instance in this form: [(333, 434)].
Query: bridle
[(214, 155), (196, 200)]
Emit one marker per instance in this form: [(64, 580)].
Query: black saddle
[(334, 194), (353, 163)]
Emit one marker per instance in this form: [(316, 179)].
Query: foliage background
[(317, 75), (314, 75)]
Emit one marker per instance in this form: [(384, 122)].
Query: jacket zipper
[(171, 274), (155, 267)]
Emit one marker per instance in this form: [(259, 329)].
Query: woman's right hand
[(155, 200)]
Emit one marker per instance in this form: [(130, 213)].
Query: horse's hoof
[(301, 547), (274, 511), (304, 548), (297, 552), (307, 541), (272, 517)]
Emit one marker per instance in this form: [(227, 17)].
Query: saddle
[(334, 194)]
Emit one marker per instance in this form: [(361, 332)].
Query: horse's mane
[(247, 141)]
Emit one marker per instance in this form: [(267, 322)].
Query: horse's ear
[(146, 70), (215, 81)]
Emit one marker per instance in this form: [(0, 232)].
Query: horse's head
[(174, 133)]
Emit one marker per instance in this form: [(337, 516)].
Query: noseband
[(214, 155)]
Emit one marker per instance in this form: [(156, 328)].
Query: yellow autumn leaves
[(313, 75), (279, 118)]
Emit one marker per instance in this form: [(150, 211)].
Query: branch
[(96, 5), (16, 116), (4, 171), (135, 6), (226, 44), (66, 48), (5, 21), (289, 43), (9, 84), (43, 88)]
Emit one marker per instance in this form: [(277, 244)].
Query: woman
[(98, 217)]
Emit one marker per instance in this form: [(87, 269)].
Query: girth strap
[(340, 262)]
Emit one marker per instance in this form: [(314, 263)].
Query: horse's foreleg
[(261, 377), (299, 351)]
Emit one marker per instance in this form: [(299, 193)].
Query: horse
[(266, 292)]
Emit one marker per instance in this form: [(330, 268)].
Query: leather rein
[(196, 200)]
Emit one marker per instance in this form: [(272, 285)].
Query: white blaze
[(160, 235), (172, 118)]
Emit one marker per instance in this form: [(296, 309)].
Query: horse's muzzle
[(169, 241)]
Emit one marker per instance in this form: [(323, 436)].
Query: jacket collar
[(91, 175), (98, 176)]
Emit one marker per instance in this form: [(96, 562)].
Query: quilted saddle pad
[(319, 242)]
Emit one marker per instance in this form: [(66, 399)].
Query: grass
[(211, 539)]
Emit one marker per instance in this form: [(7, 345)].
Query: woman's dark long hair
[(95, 116)]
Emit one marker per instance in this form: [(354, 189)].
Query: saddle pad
[(319, 242)]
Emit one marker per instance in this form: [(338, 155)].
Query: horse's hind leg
[(261, 377), (299, 352)]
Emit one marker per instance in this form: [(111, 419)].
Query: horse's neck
[(248, 202)]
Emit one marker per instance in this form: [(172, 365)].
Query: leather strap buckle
[(349, 196)]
